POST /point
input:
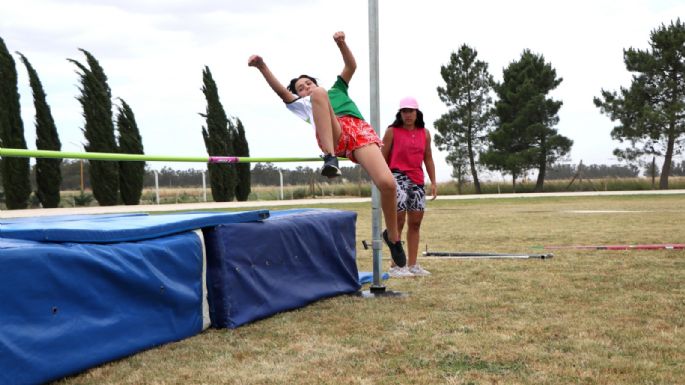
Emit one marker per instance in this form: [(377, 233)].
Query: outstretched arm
[(280, 90), (348, 58)]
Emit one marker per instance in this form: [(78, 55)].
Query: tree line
[(261, 174), (506, 126), (267, 174), (111, 182), (509, 126)]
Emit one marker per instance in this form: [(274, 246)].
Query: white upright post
[(204, 185), (376, 289), (157, 186), (375, 122), (280, 174)]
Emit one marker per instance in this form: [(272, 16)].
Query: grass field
[(582, 317)]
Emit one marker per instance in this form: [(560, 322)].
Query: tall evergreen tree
[(96, 100), (525, 137), (460, 166), (467, 93), (15, 171), (218, 141), (131, 174), (244, 185), (651, 113), (48, 174)]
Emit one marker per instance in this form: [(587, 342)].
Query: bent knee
[(387, 184), (319, 93)]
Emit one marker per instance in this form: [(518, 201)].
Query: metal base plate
[(379, 292)]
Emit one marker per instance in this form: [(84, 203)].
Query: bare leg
[(401, 217), (327, 126), (413, 229), (371, 159)]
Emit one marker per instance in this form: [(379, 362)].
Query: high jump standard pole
[(374, 100)]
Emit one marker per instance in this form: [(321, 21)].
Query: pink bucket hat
[(409, 102)]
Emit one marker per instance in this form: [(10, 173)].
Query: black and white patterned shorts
[(410, 196)]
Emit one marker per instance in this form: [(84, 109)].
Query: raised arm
[(280, 90), (348, 58)]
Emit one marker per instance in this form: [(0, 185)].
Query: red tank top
[(408, 149)]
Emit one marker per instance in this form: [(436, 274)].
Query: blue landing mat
[(67, 307), (66, 218), (257, 269), (100, 287), (119, 228)]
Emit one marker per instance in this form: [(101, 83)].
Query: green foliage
[(83, 199), (460, 165), (651, 113), (48, 175), (525, 137), (96, 101), (218, 135), (131, 174), (467, 93), (568, 171), (15, 171), (34, 201), (241, 148)]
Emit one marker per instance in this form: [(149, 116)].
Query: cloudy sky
[(154, 51)]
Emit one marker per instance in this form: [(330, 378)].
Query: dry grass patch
[(589, 317)]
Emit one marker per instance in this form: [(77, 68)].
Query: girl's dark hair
[(400, 123), (291, 86)]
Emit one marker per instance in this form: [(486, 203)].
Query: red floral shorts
[(354, 133)]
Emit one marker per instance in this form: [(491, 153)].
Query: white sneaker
[(399, 272), (418, 270)]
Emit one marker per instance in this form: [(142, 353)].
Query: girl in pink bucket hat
[(407, 148), (341, 131)]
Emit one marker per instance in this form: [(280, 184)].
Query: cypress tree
[(131, 174), (48, 174), (243, 187), (15, 171), (96, 100), (217, 137)]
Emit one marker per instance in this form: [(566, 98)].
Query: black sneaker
[(330, 166), (396, 250)]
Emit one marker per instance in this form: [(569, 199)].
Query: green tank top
[(340, 100)]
